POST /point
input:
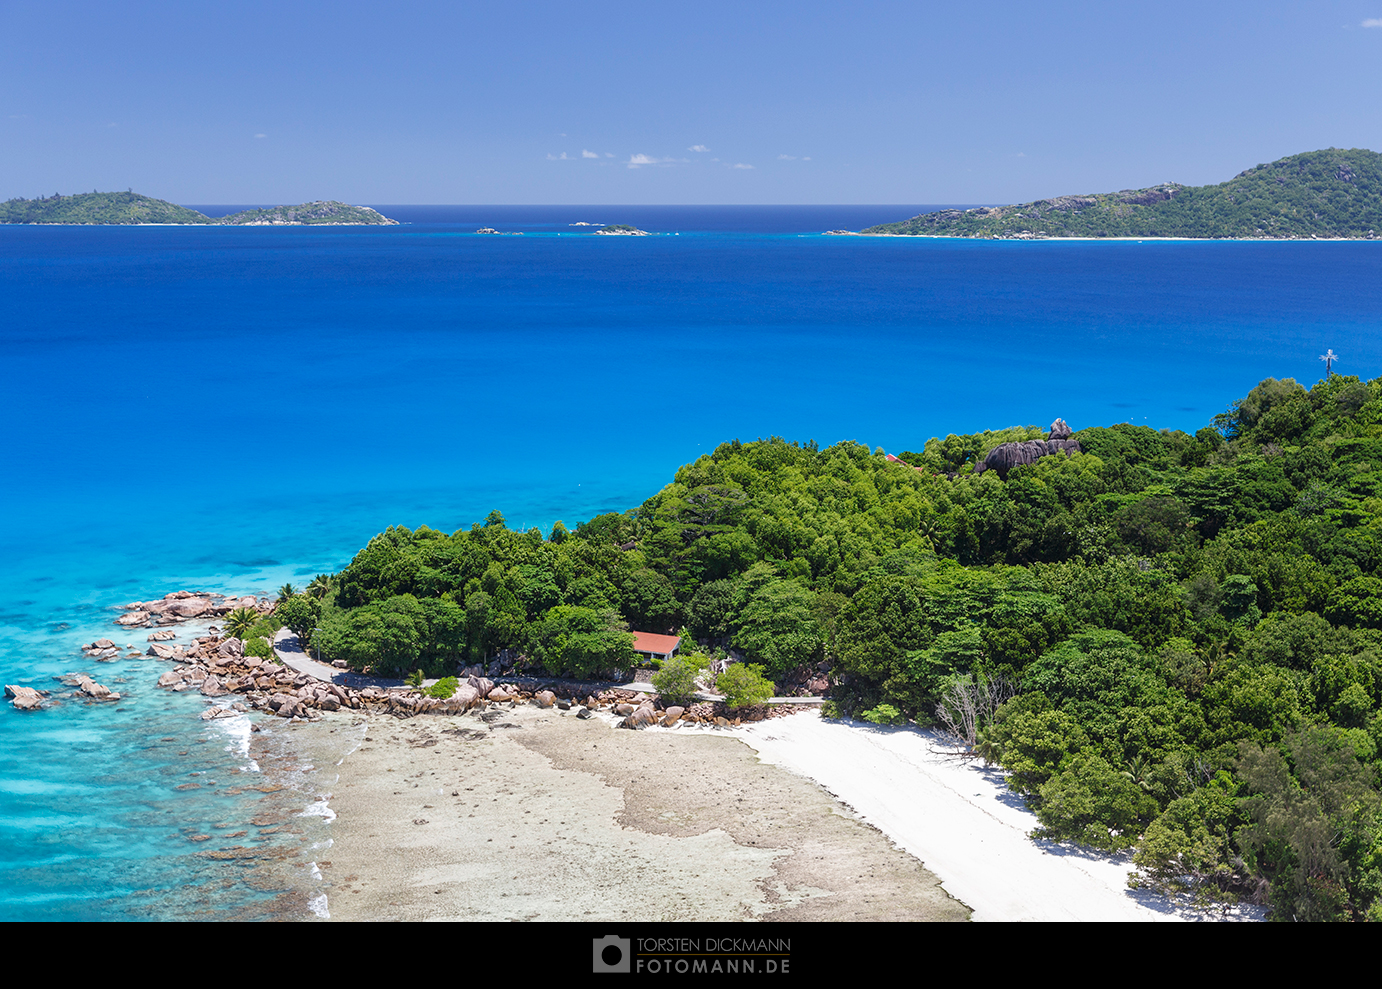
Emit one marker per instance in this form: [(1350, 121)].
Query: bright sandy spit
[(535, 815)]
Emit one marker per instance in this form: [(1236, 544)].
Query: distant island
[(104, 208), (622, 230), (1316, 195)]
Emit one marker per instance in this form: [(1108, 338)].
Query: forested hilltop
[(131, 207), (1331, 193), (1169, 642)]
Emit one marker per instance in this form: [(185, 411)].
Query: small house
[(654, 646)]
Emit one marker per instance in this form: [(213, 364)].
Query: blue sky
[(707, 102)]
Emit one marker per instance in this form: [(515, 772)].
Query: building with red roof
[(655, 646)]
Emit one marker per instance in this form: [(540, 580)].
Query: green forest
[(130, 207), (1170, 643), (1330, 193)]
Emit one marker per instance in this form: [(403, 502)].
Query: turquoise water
[(230, 409)]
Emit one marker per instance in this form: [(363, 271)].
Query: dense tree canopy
[(1192, 623)]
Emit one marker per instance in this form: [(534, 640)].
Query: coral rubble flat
[(537, 815)]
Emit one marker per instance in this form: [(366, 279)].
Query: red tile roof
[(661, 645)]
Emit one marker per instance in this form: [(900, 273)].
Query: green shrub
[(675, 680), (259, 647), (415, 679), (884, 714), (744, 684), (443, 688)]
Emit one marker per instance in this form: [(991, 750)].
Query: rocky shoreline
[(183, 606), (217, 667)]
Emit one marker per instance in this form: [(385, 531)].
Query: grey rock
[(641, 718), (231, 648), (24, 698), (1004, 458), (99, 691)]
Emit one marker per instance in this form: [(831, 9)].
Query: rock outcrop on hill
[(1004, 458)]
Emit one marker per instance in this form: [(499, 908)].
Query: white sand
[(958, 818)]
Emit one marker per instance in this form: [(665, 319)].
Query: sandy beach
[(526, 814), (537, 815)]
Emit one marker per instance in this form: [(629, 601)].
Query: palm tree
[(240, 621), (1138, 768), (285, 592), (320, 586)]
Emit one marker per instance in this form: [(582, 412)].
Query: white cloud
[(561, 157), (742, 165), (588, 154), (807, 158), (698, 147), (608, 155), (1373, 22), (1022, 154), (637, 161), (261, 135), (786, 157)]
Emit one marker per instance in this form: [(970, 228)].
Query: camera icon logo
[(611, 954)]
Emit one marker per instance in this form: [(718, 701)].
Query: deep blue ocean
[(233, 408)]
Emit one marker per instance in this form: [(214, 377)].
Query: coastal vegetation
[(130, 208), (1329, 193), (744, 685), (1170, 642), (675, 679)]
